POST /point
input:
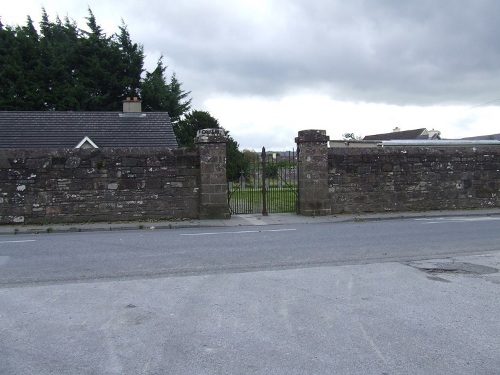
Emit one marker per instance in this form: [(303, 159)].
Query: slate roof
[(53, 129), (399, 135)]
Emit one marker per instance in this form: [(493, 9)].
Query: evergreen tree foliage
[(154, 89), (59, 63), (9, 70), (158, 95), (19, 68), (99, 69), (132, 61), (178, 104), (66, 68)]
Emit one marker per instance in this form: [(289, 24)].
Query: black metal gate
[(268, 184)]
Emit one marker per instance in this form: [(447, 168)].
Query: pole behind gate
[(264, 201)]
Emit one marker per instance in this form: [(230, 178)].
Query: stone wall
[(122, 184), (413, 179), (108, 184)]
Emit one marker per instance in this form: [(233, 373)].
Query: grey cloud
[(400, 52)]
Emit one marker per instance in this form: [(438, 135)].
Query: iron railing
[(267, 185)]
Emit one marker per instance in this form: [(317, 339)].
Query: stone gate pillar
[(312, 146), (213, 181)]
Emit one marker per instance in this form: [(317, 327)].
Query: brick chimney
[(132, 105)]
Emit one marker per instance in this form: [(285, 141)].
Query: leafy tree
[(236, 163), (251, 156), (186, 130), (351, 137)]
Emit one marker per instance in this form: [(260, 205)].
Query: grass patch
[(250, 200)]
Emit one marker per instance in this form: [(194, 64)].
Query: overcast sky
[(269, 68)]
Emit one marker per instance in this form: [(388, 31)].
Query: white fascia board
[(86, 140)]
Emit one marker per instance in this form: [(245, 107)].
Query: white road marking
[(237, 232), (17, 241), (442, 220)]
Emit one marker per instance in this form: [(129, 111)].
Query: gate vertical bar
[(264, 202)]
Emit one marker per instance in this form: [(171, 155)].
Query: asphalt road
[(35, 259), (346, 298)]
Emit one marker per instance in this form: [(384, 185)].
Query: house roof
[(485, 137), (53, 129), (396, 135)]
